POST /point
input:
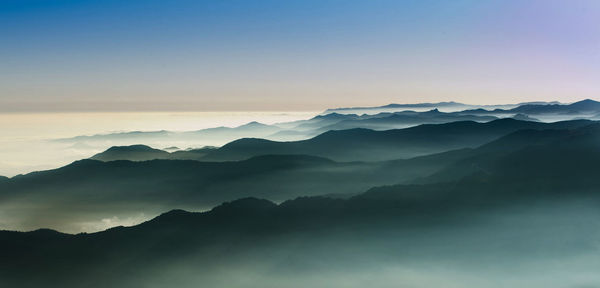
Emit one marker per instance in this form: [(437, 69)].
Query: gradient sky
[(293, 55)]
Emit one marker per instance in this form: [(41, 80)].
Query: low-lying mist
[(531, 244), (28, 141)]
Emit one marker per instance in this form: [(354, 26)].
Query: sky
[(293, 55)]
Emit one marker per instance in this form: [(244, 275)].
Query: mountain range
[(469, 197), (581, 108), (90, 190), (382, 119), (345, 145), (370, 145), (446, 106), (143, 153), (514, 215)]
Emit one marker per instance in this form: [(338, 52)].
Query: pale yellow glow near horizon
[(25, 145), (69, 124)]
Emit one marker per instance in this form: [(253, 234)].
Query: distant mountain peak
[(586, 102), (253, 124), (335, 115), (135, 147), (46, 232), (136, 151)]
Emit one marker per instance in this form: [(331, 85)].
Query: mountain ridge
[(343, 145)]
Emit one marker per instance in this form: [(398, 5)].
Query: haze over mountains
[(488, 221), (142, 152), (299, 144), (296, 130), (445, 106), (341, 163), (384, 118), (584, 108), (415, 198)]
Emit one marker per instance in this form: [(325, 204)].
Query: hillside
[(516, 218), (145, 153), (369, 145), (133, 153), (100, 190), (88, 191)]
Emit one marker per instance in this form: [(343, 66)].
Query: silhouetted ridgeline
[(75, 191), (394, 106), (369, 145), (352, 144), (525, 216), (144, 153), (581, 107), (524, 203), (584, 107), (387, 117), (73, 197), (212, 134), (379, 121), (132, 152)]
